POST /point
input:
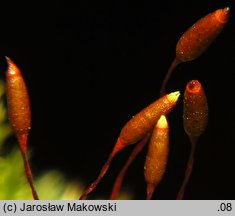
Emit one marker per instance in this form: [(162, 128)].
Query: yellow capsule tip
[(173, 97), (162, 122)]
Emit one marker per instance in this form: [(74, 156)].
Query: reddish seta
[(118, 182)]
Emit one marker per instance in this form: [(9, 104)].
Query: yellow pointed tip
[(162, 122), (173, 97)]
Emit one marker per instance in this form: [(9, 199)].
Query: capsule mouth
[(193, 87)]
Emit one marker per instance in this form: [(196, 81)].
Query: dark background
[(90, 67)]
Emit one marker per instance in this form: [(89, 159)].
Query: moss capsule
[(195, 112), (18, 103), (143, 122), (199, 36), (157, 155), (137, 129)]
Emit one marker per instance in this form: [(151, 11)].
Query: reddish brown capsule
[(199, 36), (197, 39), (137, 129), (143, 122), (195, 113), (195, 116), (157, 155), (18, 103)]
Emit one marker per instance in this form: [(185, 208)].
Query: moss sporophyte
[(149, 126)]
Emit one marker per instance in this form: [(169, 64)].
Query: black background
[(89, 67)]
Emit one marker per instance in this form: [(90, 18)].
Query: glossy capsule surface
[(195, 111), (18, 100), (199, 36), (143, 122), (157, 155)]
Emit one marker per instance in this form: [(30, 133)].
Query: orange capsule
[(195, 117), (195, 112), (18, 103), (137, 129), (19, 114), (156, 159), (199, 36), (143, 122), (196, 40)]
